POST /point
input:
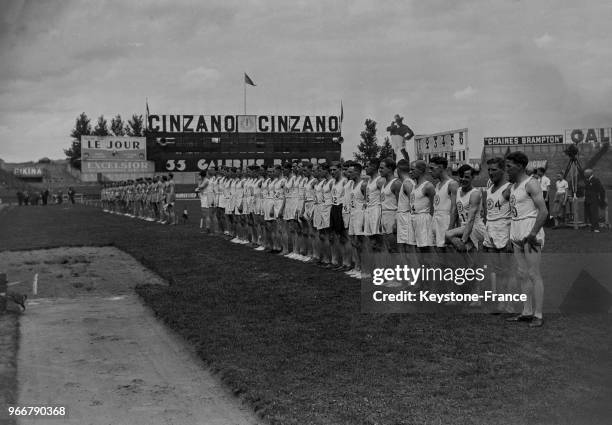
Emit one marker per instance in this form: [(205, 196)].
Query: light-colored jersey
[(442, 200), (498, 207), (338, 191), (463, 207), (387, 197), (358, 200), (521, 204), (327, 192), (419, 202), (403, 200), (373, 192)]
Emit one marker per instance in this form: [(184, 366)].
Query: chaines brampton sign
[(244, 124), (524, 140), (113, 148)]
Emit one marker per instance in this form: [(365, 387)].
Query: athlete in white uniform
[(310, 236), (529, 214), (495, 201), (471, 231), (389, 194), (347, 247), (405, 233), (337, 233), (421, 207), (357, 205), (444, 201), (203, 193)]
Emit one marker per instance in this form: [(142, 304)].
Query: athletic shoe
[(235, 240), (260, 248), (519, 318), (594, 231), (537, 322)]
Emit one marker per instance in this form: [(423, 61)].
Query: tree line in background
[(133, 127), (368, 148)]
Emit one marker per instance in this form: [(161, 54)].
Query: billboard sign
[(28, 172), (588, 135), (113, 148), (108, 167), (443, 142), (244, 123), (524, 140)]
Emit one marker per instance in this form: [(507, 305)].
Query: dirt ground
[(89, 344)]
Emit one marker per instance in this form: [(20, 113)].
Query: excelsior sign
[(244, 124)]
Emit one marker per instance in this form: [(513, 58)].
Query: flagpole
[(244, 84)]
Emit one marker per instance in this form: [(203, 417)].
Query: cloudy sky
[(500, 68)]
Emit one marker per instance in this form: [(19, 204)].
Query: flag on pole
[(248, 80), (147, 117), (341, 112)]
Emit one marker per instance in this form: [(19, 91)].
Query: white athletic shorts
[(204, 202), (323, 217), (278, 206), (372, 221), (268, 209), (405, 233), (439, 227), (498, 234), (478, 233), (290, 211), (356, 222), (519, 230), (388, 223), (309, 209), (421, 230)]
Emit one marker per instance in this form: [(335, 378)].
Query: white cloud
[(544, 40), (466, 93)]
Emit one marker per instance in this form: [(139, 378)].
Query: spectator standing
[(71, 195), (594, 198), (560, 201)]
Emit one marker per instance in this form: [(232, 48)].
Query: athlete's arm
[(453, 186), (430, 191), (483, 207), (396, 187), (474, 204), (535, 192)]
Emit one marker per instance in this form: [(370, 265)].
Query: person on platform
[(560, 201), (594, 198)]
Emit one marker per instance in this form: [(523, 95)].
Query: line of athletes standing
[(333, 214), (150, 199)]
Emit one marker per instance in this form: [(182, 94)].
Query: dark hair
[(542, 169), (465, 167), (439, 160), (202, 174), (357, 166), (374, 162), (403, 166), (499, 161), (519, 158), (389, 163)]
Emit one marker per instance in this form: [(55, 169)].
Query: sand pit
[(89, 344)]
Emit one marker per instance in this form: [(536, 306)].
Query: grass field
[(9, 340), (290, 338)]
